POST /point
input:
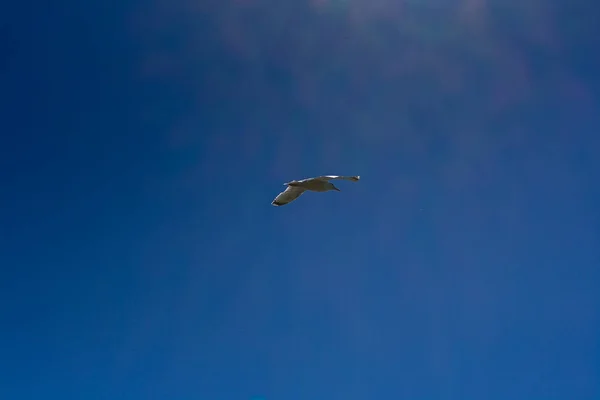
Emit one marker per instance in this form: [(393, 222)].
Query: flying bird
[(319, 184)]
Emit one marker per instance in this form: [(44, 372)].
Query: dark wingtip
[(276, 203)]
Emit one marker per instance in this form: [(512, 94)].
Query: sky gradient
[(141, 145)]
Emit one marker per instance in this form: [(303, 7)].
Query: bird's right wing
[(330, 177), (290, 194)]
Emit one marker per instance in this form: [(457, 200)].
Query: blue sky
[(141, 146)]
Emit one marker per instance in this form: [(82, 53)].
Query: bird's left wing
[(330, 177), (290, 194)]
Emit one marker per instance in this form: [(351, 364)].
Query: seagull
[(319, 184)]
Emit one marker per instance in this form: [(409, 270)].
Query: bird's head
[(331, 186)]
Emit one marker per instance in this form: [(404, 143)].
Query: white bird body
[(319, 184)]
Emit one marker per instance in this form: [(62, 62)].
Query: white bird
[(319, 184)]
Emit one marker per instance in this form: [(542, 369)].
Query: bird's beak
[(337, 189)]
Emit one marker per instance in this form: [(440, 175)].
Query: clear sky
[(142, 143)]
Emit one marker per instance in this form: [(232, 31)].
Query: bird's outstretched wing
[(330, 177), (290, 194)]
